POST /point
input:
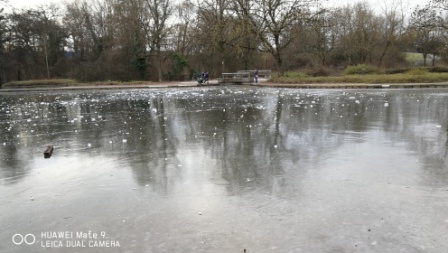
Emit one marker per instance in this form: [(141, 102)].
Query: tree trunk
[(279, 62), (159, 66), (384, 52)]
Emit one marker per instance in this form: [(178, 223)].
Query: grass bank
[(65, 83), (40, 83), (413, 76), (372, 75), (291, 78)]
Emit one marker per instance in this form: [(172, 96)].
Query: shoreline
[(190, 84), (355, 85)]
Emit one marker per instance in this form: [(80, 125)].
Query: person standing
[(206, 77), (256, 75)]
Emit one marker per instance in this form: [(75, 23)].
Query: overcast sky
[(375, 3)]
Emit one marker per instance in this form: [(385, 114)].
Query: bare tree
[(129, 18), (183, 27), (52, 36), (322, 34), (213, 31), (361, 33), (428, 34), (393, 26), (91, 28), (272, 21), (3, 39), (157, 28), (39, 33), (431, 23), (156, 39)]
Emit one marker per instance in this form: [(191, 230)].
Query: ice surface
[(266, 170)]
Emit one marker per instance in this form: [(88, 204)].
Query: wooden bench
[(266, 73), (236, 78), (243, 76)]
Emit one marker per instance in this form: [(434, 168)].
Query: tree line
[(163, 40)]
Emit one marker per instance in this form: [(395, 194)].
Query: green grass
[(40, 83), (414, 58), (361, 68), (412, 77), (65, 83), (295, 74), (417, 75)]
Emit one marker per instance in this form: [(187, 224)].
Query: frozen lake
[(224, 169)]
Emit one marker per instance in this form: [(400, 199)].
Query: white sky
[(29, 3), (374, 3)]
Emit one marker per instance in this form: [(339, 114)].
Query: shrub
[(438, 69), (396, 71), (294, 74), (318, 71), (358, 70), (418, 71)]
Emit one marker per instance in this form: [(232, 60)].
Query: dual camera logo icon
[(19, 239)]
